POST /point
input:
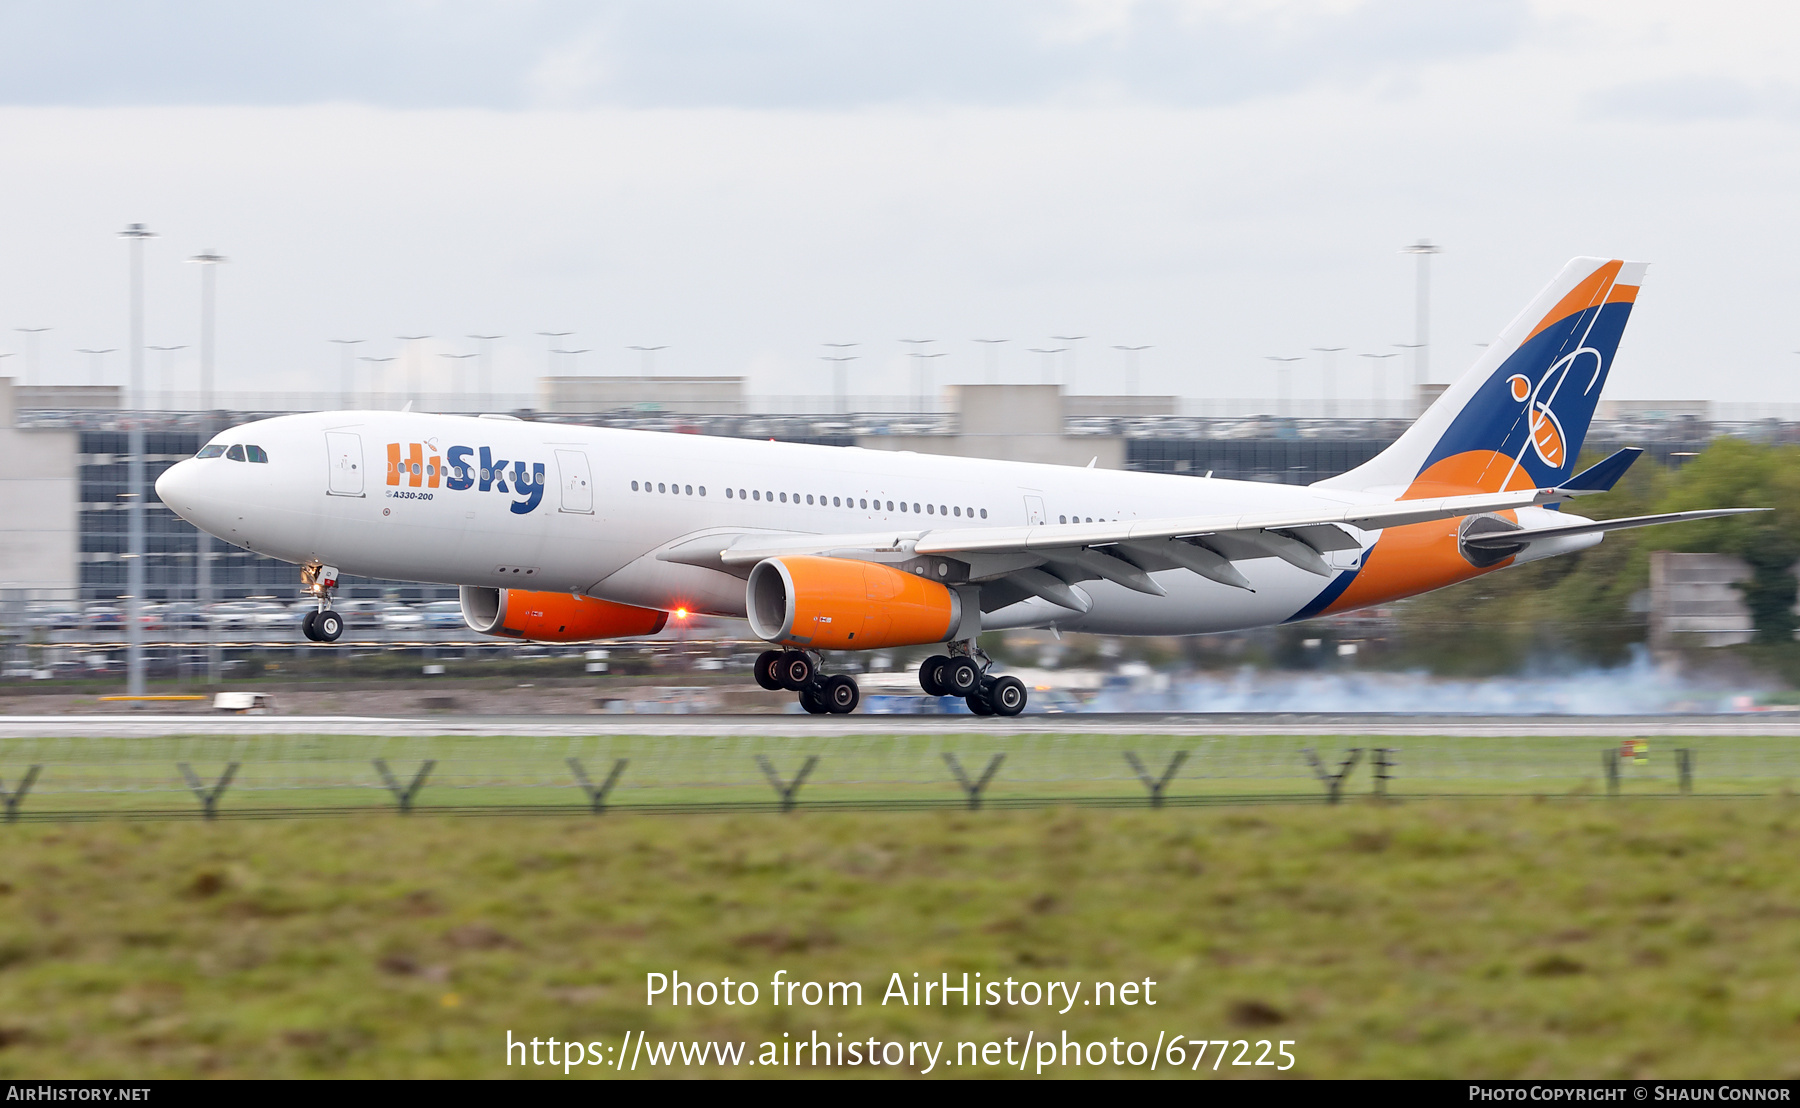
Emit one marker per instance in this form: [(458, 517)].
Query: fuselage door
[(1034, 510), (343, 451), (577, 482)]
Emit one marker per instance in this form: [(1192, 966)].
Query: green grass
[(288, 773), (1457, 938)]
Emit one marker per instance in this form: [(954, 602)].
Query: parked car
[(443, 613), (400, 617)]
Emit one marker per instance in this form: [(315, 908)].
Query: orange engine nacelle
[(554, 616), (838, 604)]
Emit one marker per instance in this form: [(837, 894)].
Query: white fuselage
[(329, 494)]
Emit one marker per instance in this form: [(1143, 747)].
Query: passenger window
[(784, 498), (236, 453), (863, 503), (1062, 519), (930, 510), (660, 487), (809, 498), (634, 487), (757, 494), (890, 506), (256, 453), (740, 494), (702, 490), (915, 505), (212, 450), (690, 489), (834, 502), (984, 513), (903, 505), (728, 495)]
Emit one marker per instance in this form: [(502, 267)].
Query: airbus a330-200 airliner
[(563, 533)]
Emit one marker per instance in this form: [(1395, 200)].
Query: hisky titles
[(917, 991), (417, 465)]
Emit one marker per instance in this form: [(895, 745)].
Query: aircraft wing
[(1046, 560)]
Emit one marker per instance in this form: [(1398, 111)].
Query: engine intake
[(554, 616), (839, 604)]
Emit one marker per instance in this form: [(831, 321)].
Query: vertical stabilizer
[(1518, 418)]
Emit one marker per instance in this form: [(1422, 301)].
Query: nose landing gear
[(798, 671), (323, 625)]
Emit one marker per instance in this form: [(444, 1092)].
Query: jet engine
[(554, 616), (839, 604)]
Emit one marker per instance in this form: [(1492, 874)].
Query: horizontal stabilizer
[(1603, 474), (1514, 540)]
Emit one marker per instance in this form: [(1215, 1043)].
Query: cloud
[(723, 53), (1693, 98)]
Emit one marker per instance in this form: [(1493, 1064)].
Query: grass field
[(1465, 937), (335, 772)]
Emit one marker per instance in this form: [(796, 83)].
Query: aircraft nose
[(177, 487)]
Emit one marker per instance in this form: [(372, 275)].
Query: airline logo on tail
[(1523, 425)]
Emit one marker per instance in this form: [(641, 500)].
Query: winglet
[(1603, 474)]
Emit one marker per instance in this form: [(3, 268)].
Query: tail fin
[(1518, 418)]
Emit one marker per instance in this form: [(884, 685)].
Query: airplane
[(561, 533)]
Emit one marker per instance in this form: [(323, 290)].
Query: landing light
[(681, 613)]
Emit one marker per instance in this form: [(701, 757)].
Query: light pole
[(168, 378), (31, 345), (135, 235), (647, 359), (924, 366), (1405, 408), (993, 357), (1048, 352), (376, 395), (917, 345), (96, 363), (1281, 382), (1131, 367), (1069, 384), (349, 375), (456, 361), (208, 261), (1376, 386), (482, 367), (412, 365), (837, 375), (1325, 381), (1422, 250), (550, 338)]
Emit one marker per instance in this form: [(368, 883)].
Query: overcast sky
[(742, 182)]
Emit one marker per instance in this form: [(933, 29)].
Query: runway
[(779, 726)]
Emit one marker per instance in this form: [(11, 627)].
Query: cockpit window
[(212, 450), (257, 454), (236, 453)]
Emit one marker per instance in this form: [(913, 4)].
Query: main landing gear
[(964, 672), (797, 671), (323, 625)]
